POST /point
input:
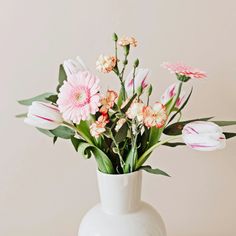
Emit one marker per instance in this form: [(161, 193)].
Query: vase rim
[(119, 175)]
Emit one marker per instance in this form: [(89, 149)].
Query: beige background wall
[(45, 189)]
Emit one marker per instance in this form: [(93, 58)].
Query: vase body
[(121, 211)]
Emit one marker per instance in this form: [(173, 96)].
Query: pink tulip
[(43, 115), (203, 136), (170, 92)]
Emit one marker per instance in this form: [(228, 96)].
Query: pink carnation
[(182, 69), (78, 97)]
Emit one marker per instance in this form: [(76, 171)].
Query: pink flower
[(43, 115), (170, 92), (160, 114), (98, 127), (105, 64), (203, 136), (181, 69), (78, 97), (148, 117), (139, 80), (108, 101), (155, 116)]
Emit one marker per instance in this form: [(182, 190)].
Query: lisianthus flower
[(155, 115), (184, 70), (78, 97), (119, 124), (108, 101), (135, 111), (73, 66), (139, 80), (148, 117), (105, 64), (170, 92), (128, 41), (98, 127), (160, 114)]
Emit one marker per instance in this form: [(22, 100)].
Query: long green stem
[(134, 80), (145, 155), (122, 163), (78, 131)]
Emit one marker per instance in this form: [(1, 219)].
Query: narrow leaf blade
[(155, 171), (41, 98)]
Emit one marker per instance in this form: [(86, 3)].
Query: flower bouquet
[(121, 128)]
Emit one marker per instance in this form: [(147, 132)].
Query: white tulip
[(73, 66), (43, 115), (170, 92), (139, 80), (203, 136)]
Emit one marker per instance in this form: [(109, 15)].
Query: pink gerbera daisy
[(181, 69), (78, 97)]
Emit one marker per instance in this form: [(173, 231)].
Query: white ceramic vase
[(121, 211)]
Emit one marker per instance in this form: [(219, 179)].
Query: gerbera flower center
[(82, 96)]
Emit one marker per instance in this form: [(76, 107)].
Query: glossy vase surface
[(121, 211)]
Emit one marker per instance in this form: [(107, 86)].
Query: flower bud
[(136, 63), (149, 91), (203, 136), (115, 37)]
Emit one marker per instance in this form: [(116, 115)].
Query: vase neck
[(120, 194)]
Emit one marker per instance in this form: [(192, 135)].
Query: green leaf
[(154, 171), (83, 128), (40, 98), (182, 107), (75, 142), (176, 128), (63, 132), (125, 109), (122, 133), (52, 98), (62, 77), (120, 99), (229, 135), (55, 139), (224, 123), (23, 115), (174, 144), (46, 132)]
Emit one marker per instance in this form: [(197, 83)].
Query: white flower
[(119, 124), (73, 66), (135, 111), (203, 136), (139, 80), (105, 64), (170, 92), (44, 115)]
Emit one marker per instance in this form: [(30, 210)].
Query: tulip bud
[(73, 66), (170, 92), (43, 115), (203, 136)]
